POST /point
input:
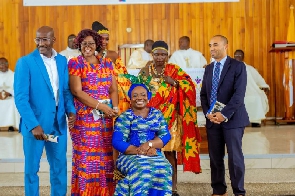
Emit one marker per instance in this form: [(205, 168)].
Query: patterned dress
[(92, 164), (145, 175)]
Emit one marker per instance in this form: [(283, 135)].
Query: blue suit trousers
[(56, 156)]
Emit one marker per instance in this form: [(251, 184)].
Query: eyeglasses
[(44, 40), (3, 63), (88, 44), (238, 55)]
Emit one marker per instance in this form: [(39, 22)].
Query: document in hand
[(216, 107), (97, 114), (51, 138)]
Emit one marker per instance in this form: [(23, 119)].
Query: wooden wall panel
[(248, 24)]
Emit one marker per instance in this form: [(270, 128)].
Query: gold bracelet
[(174, 83), (97, 105)]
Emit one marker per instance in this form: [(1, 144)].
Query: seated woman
[(139, 135)]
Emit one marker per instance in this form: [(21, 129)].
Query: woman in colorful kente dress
[(94, 87), (174, 94), (119, 67), (140, 133)]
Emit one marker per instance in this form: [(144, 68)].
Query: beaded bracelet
[(97, 105)]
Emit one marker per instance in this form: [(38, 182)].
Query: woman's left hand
[(169, 80)]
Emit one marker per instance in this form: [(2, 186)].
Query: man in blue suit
[(225, 81), (43, 99)]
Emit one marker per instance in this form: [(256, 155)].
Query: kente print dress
[(123, 85), (178, 106), (92, 163), (145, 176)]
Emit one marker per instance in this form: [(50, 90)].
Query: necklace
[(156, 73), (158, 77)]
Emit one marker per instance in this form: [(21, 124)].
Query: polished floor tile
[(266, 140)]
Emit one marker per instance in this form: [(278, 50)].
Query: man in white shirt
[(11, 116), (71, 51), (186, 57), (256, 101), (140, 57), (43, 99)]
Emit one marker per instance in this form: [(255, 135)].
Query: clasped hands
[(144, 149), (265, 89), (216, 117)]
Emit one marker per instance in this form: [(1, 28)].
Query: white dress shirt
[(51, 67)]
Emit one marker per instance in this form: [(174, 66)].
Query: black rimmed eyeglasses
[(88, 44)]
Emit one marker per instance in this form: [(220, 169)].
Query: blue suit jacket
[(231, 91), (34, 96)]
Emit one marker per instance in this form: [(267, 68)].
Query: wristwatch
[(225, 118), (150, 144)]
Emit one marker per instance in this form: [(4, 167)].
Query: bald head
[(223, 38), (47, 30), (148, 45), (44, 40), (218, 47), (184, 43)]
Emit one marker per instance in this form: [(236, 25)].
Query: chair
[(126, 50)]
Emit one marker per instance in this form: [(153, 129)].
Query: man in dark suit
[(225, 81)]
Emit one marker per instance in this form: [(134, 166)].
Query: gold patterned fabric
[(123, 85)]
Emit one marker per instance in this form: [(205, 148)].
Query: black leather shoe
[(256, 125), (10, 129), (174, 193)]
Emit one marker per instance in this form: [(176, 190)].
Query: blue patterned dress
[(145, 175)]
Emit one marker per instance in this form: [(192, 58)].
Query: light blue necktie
[(215, 81)]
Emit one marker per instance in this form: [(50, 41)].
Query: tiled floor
[(269, 146), (269, 157), (266, 140)]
